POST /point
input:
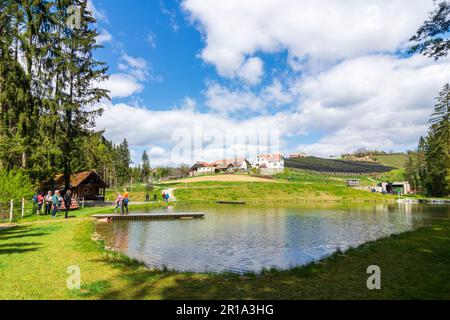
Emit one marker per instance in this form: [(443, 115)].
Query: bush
[(14, 185)]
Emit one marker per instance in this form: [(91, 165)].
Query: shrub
[(14, 185)]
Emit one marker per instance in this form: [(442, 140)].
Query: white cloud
[(158, 127), (99, 15), (189, 103), (321, 30), (171, 15), (122, 85), (104, 37), (157, 152), (151, 39), (223, 100), (242, 101), (376, 101), (251, 71), (353, 91), (135, 71), (135, 66)]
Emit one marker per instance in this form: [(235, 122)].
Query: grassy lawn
[(291, 186), (34, 258), (392, 160), (283, 192)]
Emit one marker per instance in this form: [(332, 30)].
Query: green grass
[(391, 176), (291, 186), (137, 192), (34, 258), (397, 160)]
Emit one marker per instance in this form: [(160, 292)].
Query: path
[(171, 194), (226, 178)]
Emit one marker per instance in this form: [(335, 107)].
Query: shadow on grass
[(8, 236), (14, 249)]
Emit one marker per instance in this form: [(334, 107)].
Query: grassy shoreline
[(34, 257)]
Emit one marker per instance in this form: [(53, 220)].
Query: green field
[(397, 160), (34, 258), (291, 186)]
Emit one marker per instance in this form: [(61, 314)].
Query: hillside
[(330, 165), (397, 160)]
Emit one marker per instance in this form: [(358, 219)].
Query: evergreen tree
[(432, 38), (123, 162), (438, 153), (145, 170)]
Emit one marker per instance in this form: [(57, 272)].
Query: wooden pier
[(151, 216), (230, 202)]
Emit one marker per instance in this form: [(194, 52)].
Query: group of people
[(165, 197), (122, 202), (51, 203)]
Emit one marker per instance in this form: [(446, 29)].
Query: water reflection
[(249, 238)]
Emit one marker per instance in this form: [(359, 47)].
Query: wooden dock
[(151, 216), (230, 202)]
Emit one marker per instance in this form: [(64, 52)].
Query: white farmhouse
[(269, 163), (239, 164), (202, 168)]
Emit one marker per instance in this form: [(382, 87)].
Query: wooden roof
[(77, 179)]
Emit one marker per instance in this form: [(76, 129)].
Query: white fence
[(14, 210)]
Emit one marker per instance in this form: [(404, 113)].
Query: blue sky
[(326, 77)]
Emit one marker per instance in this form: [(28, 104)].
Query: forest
[(49, 90)]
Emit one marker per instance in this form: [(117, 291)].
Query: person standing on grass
[(48, 202), (167, 197), (155, 198), (40, 202), (125, 201), (147, 197), (67, 202), (164, 197), (57, 200), (118, 202)]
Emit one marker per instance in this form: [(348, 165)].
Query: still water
[(249, 238)]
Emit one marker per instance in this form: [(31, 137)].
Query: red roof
[(272, 157)]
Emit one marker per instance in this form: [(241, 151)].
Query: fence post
[(11, 211), (23, 207)]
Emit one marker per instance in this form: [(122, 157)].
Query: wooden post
[(23, 207), (11, 211), (82, 203)]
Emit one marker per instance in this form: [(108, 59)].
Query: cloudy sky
[(324, 77)]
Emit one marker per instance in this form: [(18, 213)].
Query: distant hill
[(329, 165), (396, 160)]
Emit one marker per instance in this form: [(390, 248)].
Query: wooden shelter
[(88, 185)]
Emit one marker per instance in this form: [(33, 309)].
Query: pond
[(250, 238)]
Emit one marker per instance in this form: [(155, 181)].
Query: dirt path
[(171, 194), (226, 178)]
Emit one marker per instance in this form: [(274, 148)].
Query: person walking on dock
[(67, 202), (125, 201), (118, 202)]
